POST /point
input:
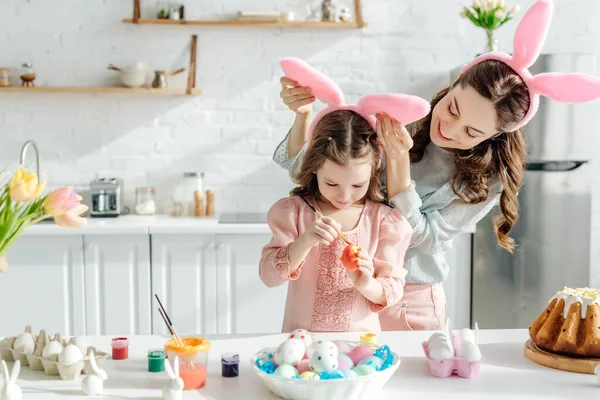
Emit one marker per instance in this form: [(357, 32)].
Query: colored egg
[(343, 364), (303, 335), (290, 352), (347, 360), (362, 370), (286, 371), (358, 353), (372, 361), (348, 373), (309, 376), (343, 347), (319, 362), (302, 366), (323, 347)]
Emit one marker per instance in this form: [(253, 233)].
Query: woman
[(466, 157)]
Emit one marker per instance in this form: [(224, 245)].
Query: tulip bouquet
[(22, 205), (489, 15)]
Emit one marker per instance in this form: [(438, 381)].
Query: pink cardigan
[(321, 296)]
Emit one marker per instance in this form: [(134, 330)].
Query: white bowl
[(362, 387)]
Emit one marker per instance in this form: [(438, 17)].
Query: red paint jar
[(120, 348)]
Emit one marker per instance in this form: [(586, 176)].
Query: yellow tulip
[(24, 186)]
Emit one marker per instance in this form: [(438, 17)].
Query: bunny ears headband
[(529, 38), (401, 107)]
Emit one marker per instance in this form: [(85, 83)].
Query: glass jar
[(192, 182), (5, 77), (162, 9), (174, 12), (27, 74), (145, 202)]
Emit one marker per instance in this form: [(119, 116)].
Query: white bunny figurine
[(93, 384), (11, 391), (174, 389)]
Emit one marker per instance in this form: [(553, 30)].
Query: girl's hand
[(393, 136), (323, 231), (299, 99), (365, 270)]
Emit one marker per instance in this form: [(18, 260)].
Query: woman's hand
[(393, 136), (323, 231), (365, 271), (299, 99)]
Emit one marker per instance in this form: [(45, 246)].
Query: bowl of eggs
[(302, 368)]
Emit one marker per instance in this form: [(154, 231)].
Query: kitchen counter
[(505, 372), (161, 224)]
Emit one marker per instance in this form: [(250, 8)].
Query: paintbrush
[(170, 324), (340, 234)]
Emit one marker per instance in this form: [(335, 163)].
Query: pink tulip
[(3, 264), (71, 218), (61, 201)]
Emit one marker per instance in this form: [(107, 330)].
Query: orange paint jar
[(193, 360)]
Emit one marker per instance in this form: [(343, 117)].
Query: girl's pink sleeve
[(274, 266), (388, 262)]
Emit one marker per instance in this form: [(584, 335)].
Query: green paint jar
[(156, 360)]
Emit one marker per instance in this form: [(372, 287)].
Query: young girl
[(339, 178), (468, 156)]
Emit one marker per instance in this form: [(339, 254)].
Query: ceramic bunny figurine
[(174, 389), (93, 384), (11, 391)]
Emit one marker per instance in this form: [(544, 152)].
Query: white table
[(505, 373)]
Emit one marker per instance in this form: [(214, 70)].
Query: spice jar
[(5, 77), (210, 203), (192, 182), (145, 202)]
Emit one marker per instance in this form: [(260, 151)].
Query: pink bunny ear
[(322, 87), (567, 87), (402, 107), (531, 33)]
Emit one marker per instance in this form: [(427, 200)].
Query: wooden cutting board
[(558, 361)]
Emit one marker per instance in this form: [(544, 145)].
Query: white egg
[(25, 343), (466, 335), (321, 362), (70, 355), (469, 351), (52, 350), (440, 347), (290, 352), (303, 335), (323, 347), (81, 345)]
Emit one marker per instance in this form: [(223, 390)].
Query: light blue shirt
[(436, 214)]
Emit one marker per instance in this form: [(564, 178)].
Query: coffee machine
[(107, 197)]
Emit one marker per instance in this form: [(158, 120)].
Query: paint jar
[(120, 348), (230, 365), (156, 360), (193, 360), (369, 340)]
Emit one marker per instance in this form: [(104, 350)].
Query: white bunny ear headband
[(529, 39), (402, 107)]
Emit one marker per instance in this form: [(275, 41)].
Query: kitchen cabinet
[(44, 286)]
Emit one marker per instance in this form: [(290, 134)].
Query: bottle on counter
[(210, 203), (192, 182), (198, 204)]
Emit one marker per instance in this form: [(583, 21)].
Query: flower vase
[(492, 41)]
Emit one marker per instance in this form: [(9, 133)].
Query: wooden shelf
[(268, 24), (99, 89)]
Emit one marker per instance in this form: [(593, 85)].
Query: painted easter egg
[(347, 360), (372, 361), (303, 335), (343, 347), (309, 376), (321, 362), (350, 257), (302, 365), (360, 352), (324, 347), (362, 370), (290, 352), (286, 371)]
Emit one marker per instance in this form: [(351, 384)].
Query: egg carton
[(50, 366), (455, 365)]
